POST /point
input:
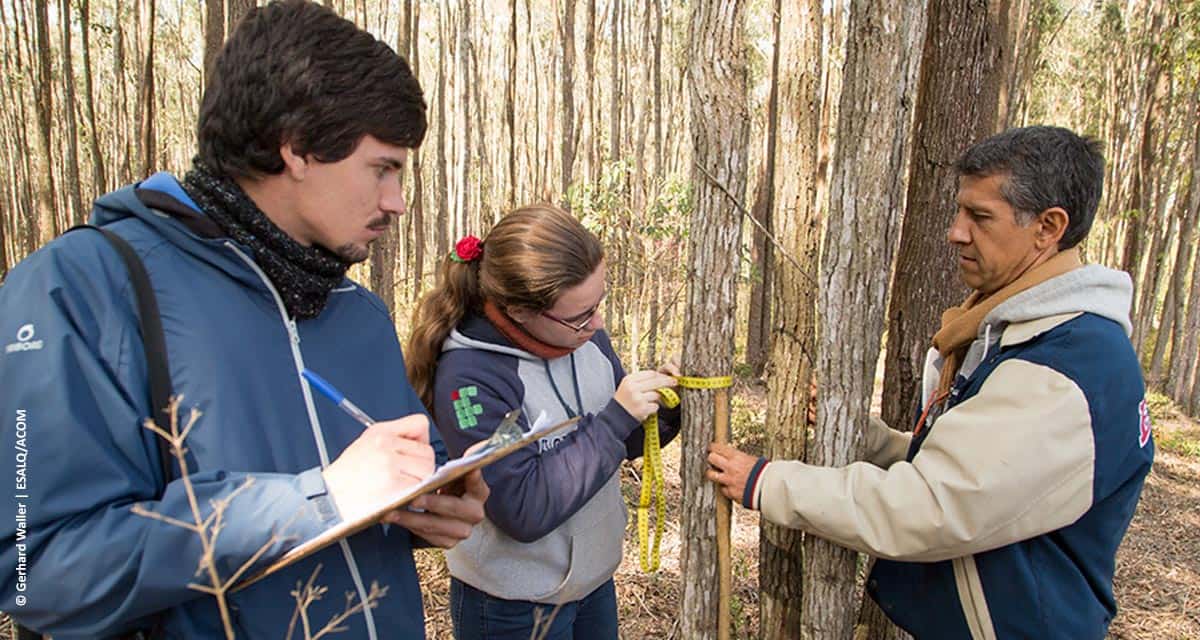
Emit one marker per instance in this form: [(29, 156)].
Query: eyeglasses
[(580, 324)]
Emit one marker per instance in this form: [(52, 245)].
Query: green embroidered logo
[(464, 409)]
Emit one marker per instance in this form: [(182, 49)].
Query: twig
[(737, 203), (655, 320), (209, 529), (308, 594), (146, 513)]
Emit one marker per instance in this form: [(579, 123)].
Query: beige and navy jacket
[(1002, 518)]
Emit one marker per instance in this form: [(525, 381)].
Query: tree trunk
[(483, 171), (1185, 344), (463, 79), (510, 106), (122, 134), (793, 345), (417, 205), (758, 330), (614, 100), (957, 105), (1147, 222), (1139, 194), (76, 213), (214, 33), (567, 80), (589, 73), (717, 71), (99, 173), (1188, 385), (46, 227), (1154, 379), (146, 96), (442, 191), (641, 117), (656, 82), (532, 149), (1022, 29), (385, 249), (235, 10), (866, 196)]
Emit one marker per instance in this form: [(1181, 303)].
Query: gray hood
[(1090, 289), (1094, 289), (457, 340)]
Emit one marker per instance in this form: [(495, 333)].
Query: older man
[(1001, 514)]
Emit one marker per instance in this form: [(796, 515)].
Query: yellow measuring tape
[(652, 473)]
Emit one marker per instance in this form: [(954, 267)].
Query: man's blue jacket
[(75, 560)]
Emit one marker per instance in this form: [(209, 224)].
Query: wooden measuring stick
[(724, 567)]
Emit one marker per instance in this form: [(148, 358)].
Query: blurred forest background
[(807, 133)]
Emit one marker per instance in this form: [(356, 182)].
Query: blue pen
[(331, 392)]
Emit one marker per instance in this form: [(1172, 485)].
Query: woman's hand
[(638, 392)]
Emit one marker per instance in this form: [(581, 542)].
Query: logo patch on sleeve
[(465, 410), (1144, 424)]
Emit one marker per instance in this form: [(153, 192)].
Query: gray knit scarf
[(304, 276)]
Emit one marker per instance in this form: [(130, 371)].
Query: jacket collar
[(1021, 332)]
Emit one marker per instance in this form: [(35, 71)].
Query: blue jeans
[(479, 616)]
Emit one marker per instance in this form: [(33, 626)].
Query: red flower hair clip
[(468, 248)]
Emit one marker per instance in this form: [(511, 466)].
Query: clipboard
[(508, 438)]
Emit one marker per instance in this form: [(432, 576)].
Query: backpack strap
[(155, 344)]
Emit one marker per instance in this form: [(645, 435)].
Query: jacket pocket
[(972, 599)]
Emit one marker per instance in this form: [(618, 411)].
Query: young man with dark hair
[(304, 128), (1001, 514)]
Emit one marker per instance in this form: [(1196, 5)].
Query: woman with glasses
[(515, 322)]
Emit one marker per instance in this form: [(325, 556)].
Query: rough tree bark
[(441, 190), (214, 33), (758, 330), (45, 228), (1185, 347), (510, 106), (614, 100), (656, 83), (463, 79), (384, 250), (865, 197), (99, 173), (76, 213), (1188, 386), (122, 129), (957, 104), (147, 139), (717, 73), (417, 204), (1148, 249), (1139, 199), (235, 9), (566, 74), (793, 356)]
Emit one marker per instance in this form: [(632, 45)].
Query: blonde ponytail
[(456, 295), (529, 259)]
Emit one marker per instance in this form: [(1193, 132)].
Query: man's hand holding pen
[(390, 456)]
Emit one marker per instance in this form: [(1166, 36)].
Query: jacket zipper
[(973, 602), (315, 423)]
